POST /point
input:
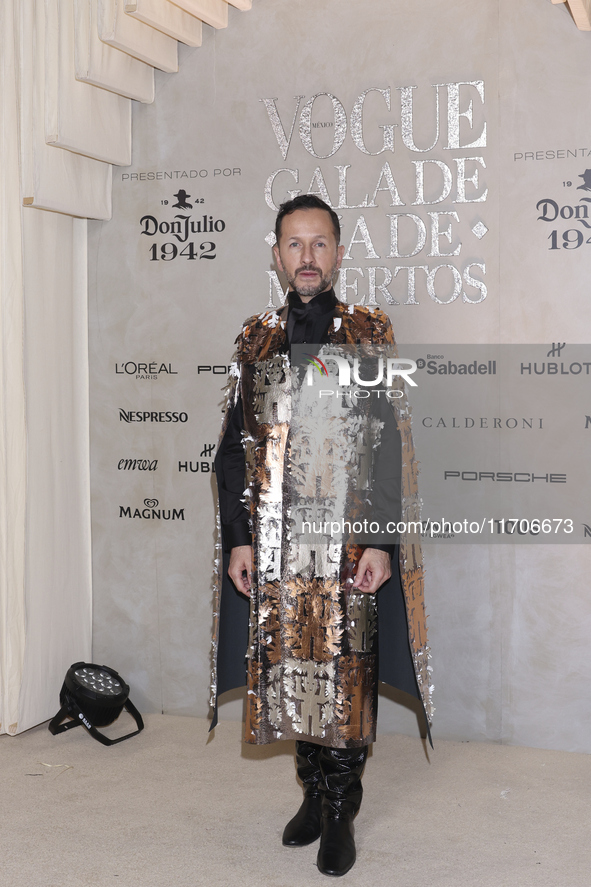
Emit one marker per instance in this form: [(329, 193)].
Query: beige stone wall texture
[(453, 139)]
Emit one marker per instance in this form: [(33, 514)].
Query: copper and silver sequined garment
[(312, 655), (312, 652)]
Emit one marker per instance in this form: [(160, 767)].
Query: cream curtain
[(68, 72), (45, 590), (12, 387)]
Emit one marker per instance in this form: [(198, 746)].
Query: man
[(312, 652)]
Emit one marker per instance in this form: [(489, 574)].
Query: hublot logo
[(553, 368)]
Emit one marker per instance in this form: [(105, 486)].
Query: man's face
[(307, 252)]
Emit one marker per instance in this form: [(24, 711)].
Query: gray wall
[(508, 623)]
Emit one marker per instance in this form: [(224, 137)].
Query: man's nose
[(307, 254)]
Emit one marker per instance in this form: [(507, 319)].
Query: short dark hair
[(306, 201)]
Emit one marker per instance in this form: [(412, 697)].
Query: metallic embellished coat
[(316, 648)]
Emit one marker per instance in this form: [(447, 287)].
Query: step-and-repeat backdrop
[(452, 138)]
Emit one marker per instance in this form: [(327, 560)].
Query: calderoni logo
[(144, 370), (484, 423), (147, 416), (151, 511), (137, 465)]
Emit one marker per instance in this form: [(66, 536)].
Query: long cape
[(403, 651)]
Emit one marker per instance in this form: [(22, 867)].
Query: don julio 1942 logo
[(572, 221), (180, 228)]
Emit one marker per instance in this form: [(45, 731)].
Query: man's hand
[(373, 570), (241, 561)]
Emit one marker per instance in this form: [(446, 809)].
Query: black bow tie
[(318, 305), (300, 312), (305, 319)]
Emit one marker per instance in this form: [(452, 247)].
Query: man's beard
[(312, 289)]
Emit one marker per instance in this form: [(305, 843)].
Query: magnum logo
[(151, 511)]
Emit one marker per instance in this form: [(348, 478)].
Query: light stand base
[(70, 709)]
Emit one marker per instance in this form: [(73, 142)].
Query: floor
[(169, 807)]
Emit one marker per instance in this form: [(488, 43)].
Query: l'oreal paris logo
[(131, 368)]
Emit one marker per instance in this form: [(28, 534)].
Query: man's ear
[(340, 254), (277, 257)]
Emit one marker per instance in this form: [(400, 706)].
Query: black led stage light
[(94, 696)]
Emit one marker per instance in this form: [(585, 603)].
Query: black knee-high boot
[(341, 770), (305, 825)]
